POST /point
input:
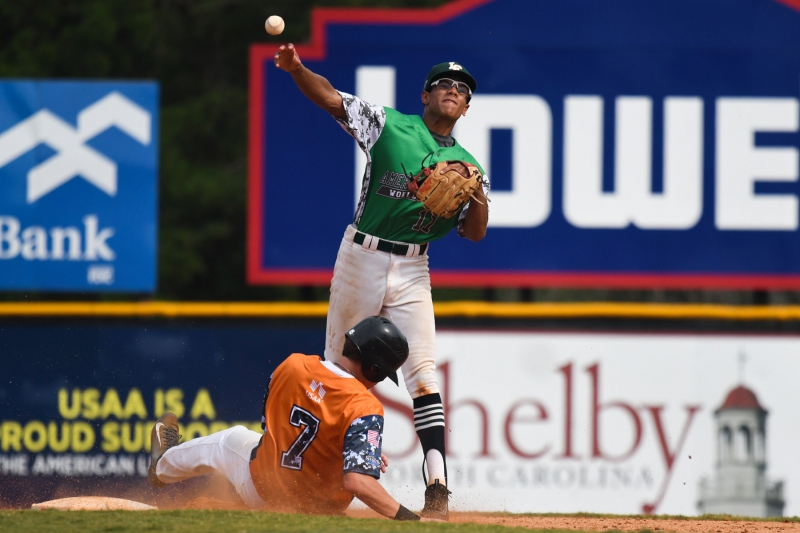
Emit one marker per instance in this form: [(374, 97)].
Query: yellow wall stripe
[(442, 309), (617, 310)]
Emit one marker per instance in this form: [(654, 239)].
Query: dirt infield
[(622, 523), (631, 524)]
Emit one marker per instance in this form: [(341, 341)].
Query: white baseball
[(274, 25)]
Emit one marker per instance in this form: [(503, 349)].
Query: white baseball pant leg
[(226, 452), (368, 282)]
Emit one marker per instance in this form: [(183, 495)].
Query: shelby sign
[(628, 144), (78, 185), (604, 422)]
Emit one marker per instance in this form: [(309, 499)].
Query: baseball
[(274, 25)]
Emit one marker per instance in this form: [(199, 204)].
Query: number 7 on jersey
[(293, 457)]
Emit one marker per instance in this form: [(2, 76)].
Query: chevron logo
[(315, 385), (73, 157)]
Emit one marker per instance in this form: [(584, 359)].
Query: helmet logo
[(455, 66)]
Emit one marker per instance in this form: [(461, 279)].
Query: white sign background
[(634, 374)]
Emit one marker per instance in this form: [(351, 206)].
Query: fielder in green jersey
[(382, 265), (386, 208)]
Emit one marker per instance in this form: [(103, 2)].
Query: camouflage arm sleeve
[(364, 121), (362, 446)]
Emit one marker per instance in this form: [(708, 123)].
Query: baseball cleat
[(163, 437), (436, 502)]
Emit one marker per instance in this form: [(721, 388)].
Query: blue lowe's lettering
[(78, 185), (661, 148)]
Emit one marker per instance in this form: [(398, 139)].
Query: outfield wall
[(600, 409), (599, 422)]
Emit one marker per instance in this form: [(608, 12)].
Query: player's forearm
[(368, 490), (476, 219), (319, 90)]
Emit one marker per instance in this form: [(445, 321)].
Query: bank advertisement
[(78, 185), (610, 423), (628, 144)]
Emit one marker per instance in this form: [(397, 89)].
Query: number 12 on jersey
[(293, 457)]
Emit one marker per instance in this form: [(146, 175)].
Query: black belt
[(389, 246)]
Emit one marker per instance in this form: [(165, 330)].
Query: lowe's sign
[(78, 186), (629, 144)]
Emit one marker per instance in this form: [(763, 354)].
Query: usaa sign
[(629, 144), (78, 185)]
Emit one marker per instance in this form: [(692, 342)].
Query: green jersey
[(397, 147)]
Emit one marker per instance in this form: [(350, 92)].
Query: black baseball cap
[(446, 69)]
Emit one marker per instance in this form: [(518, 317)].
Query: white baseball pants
[(226, 452), (368, 282)]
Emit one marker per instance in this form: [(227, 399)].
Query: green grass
[(192, 521), (718, 517)]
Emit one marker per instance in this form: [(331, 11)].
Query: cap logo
[(455, 66), (351, 331)]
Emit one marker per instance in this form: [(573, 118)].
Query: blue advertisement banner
[(78, 399), (645, 144), (78, 185)]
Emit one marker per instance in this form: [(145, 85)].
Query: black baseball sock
[(429, 424)]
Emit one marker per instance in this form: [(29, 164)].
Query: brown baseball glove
[(445, 194)]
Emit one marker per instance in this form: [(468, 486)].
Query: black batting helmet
[(380, 347)]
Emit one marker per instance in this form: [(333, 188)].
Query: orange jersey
[(320, 423)]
